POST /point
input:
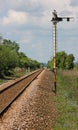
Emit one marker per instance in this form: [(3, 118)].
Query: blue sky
[(28, 22)]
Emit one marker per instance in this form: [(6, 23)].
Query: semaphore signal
[(55, 20)]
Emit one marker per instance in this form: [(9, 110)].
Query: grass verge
[(67, 100)]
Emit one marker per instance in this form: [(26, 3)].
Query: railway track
[(10, 93)]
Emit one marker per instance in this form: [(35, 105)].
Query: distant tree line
[(63, 61), (10, 57)]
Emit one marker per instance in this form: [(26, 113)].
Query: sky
[(28, 22)]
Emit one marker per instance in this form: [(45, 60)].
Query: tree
[(1, 40), (69, 61), (50, 64), (63, 61), (25, 62), (8, 60), (10, 57), (60, 59), (13, 45)]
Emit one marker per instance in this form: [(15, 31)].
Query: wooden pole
[(54, 47)]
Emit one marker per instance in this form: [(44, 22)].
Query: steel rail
[(11, 92)]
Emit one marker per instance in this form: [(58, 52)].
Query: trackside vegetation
[(67, 91), (67, 100), (63, 61), (11, 58)]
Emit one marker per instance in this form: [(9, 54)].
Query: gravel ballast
[(34, 109)]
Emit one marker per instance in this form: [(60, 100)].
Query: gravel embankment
[(34, 109)]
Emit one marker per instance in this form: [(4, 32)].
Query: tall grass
[(67, 100)]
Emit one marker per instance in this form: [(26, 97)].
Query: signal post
[(55, 20)]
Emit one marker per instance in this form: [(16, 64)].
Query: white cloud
[(37, 5), (15, 17), (22, 18), (29, 22), (33, 10)]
